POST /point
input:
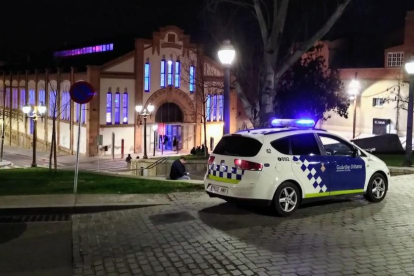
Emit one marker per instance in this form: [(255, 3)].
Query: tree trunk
[(267, 93), (51, 150), (55, 145)]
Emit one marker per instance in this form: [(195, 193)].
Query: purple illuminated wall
[(85, 50)]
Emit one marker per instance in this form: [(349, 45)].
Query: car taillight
[(248, 165), (211, 160)]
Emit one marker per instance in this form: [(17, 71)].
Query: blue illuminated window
[(162, 73), (7, 97), (214, 117), (108, 108), (52, 103), (76, 112), (170, 73), (220, 100), (23, 97), (192, 78), (208, 108), (83, 114), (147, 77), (15, 96), (125, 108), (177, 74), (42, 97), (65, 115), (117, 107)]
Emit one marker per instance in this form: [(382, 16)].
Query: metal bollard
[(142, 171)]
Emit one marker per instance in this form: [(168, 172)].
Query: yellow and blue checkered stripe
[(225, 173)]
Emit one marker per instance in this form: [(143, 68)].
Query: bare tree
[(204, 83), (56, 109), (280, 48)]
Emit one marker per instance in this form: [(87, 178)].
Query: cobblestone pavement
[(201, 236)]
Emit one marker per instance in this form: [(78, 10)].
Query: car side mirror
[(355, 153)]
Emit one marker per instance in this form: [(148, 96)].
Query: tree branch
[(311, 41), (261, 20)]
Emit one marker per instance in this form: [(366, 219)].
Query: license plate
[(218, 189)]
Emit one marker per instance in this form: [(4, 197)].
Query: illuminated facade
[(168, 71)]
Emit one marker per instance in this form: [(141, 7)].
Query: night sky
[(30, 27)]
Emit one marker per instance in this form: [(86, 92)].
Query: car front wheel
[(377, 188), (287, 199)]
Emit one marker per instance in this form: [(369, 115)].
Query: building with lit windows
[(378, 99), (167, 71)]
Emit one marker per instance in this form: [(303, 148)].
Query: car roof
[(275, 133)]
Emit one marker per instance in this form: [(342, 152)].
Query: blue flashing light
[(300, 123)]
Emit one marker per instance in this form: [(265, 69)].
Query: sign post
[(81, 93)]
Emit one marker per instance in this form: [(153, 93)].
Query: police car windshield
[(238, 146)]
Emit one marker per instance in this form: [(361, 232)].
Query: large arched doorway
[(169, 118)]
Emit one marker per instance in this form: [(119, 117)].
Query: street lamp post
[(38, 111), (154, 128), (144, 112), (354, 87), (409, 67), (226, 55)]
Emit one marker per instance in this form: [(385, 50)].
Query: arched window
[(170, 73), (117, 107), (192, 78), (7, 97), (15, 104), (169, 113), (147, 76), (220, 115), (22, 97), (52, 103), (83, 114), (162, 83), (177, 73), (125, 108), (76, 112), (214, 117), (42, 97), (109, 108), (65, 115)]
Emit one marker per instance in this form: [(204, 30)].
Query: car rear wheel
[(377, 188), (286, 199)]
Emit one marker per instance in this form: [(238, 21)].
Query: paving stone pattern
[(341, 237)]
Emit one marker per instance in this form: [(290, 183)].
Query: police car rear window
[(281, 145), (238, 146)]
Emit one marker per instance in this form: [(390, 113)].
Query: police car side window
[(304, 144), (335, 147), (281, 145)]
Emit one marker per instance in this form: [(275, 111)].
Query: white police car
[(292, 163)]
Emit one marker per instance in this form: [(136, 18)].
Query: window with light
[(395, 59), (162, 83), (170, 73), (214, 117), (109, 108), (125, 108), (208, 108), (15, 104), (146, 77), (220, 100), (192, 79), (23, 97), (117, 107), (177, 73)]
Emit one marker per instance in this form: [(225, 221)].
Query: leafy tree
[(310, 89)]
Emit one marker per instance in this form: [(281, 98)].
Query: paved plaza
[(196, 235)]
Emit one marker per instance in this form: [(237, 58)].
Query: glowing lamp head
[(354, 87), (169, 62), (26, 109), (409, 66), (154, 127), (150, 108), (42, 109), (138, 108), (226, 53)]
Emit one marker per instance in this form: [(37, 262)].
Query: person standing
[(175, 143), (165, 141)]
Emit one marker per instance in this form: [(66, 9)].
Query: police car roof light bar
[(300, 123)]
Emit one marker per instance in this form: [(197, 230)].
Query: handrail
[(159, 161)]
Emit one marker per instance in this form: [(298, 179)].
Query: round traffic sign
[(81, 92)]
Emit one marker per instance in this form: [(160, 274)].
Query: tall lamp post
[(226, 55), (144, 112), (38, 111), (154, 128), (353, 91), (409, 67)]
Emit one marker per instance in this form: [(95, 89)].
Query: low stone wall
[(395, 171), (163, 169)]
